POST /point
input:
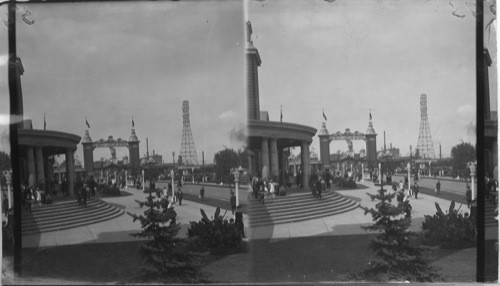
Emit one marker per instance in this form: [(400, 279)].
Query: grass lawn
[(310, 259)]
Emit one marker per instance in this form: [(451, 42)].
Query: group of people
[(168, 194), (85, 189), (31, 195), (262, 188)]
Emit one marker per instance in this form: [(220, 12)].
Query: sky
[(350, 57), (111, 61)]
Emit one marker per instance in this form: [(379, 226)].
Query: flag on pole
[(44, 123), (281, 113), (324, 116), (86, 122), (370, 115), (133, 123)]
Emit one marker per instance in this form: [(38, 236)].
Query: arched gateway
[(370, 137), (132, 144)]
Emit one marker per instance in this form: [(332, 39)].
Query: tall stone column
[(265, 158), (281, 166), (30, 157), (304, 163), (40, 172), (250, 164), (70, 171), (274, 157)]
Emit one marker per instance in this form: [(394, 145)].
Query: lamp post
[(409, 174), (236, 183), (8, 178), (380, 175), (172, 179), (472, 168), (143, 180)]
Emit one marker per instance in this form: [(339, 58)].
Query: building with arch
[(37, 148)]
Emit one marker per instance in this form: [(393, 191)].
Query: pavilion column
[(31, 166), (70, 171), (265, 158), (304, 162), (250, 165), (40, 172), (274, 157)]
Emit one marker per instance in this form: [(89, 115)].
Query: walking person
[(416, 189), (38, 196), (84, 195), (180, 196), (202, 193), (92, 186), (5, 205), (165, 192), (29, 200), (232, 201), (318, 189), (238, 221), (468, 196), (438, 187), (272, 189)]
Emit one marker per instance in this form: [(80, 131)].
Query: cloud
[(226, 115), (4, 59), (471, 131), (4, 141), (465, 109), (238, 135)]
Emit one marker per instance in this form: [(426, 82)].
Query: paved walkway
[(119, 229)]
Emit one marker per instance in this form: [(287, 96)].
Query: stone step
[(299, 208), (75, 215), (73, 224), (257, 206), (312, 215), (67, 215), (319, 205), (290, 199), (48, 210)]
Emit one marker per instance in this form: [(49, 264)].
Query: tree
[(4, 161), (395, 258), (160, 251), (228, 159), (461, 154)]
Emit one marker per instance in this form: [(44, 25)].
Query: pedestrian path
[(120, 228)]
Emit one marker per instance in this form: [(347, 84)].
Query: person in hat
[(232, 201), (238, 221), (416, 189), (468, 196)]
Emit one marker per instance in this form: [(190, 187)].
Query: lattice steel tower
[(188, 151), (425, 145)]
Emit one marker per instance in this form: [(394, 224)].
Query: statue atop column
[(249, 34)]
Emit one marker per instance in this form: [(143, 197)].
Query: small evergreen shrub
[(396, 259), (346, 183), (165, 255), (449, 230), (111, 190), (217, 235)]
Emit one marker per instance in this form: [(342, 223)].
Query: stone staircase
[(297, 207), (490, 214), (65, 215)]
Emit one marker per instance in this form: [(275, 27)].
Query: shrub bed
[(449, 230)]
